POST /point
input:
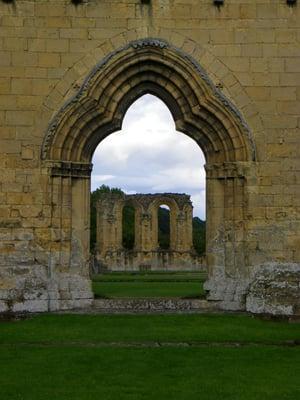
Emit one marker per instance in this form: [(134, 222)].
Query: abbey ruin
[(146, 254), (229, 71)]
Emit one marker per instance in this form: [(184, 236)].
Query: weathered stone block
[(275, 289)]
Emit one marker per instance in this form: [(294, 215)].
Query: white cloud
[(102, 178), (149, 156), (198, 200)]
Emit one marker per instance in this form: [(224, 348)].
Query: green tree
[(199, 228), (164, 228), (128, 232), (164, 231)]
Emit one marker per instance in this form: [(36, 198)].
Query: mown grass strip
[(150, 277), (148, 289), (147, 328), (64, 344), (216, 373)]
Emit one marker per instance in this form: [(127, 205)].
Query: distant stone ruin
[(146, 253)]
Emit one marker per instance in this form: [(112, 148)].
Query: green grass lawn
[(117, 357), (142, 285), (150, 277), (145, 374), (148, 289), (74, 328)]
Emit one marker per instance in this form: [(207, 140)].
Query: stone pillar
[(68, 272), (173, 228), (70, 217), (184, 229), (180, 230), (109, 224), (80, 224), (146, 232), (225, 235), (188, 231)]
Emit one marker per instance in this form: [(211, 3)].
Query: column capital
[(228, 170), (69, 169)]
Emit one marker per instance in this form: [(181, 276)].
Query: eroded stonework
[(275, 289), (146, 254)]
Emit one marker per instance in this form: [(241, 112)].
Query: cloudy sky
[(150, 156)]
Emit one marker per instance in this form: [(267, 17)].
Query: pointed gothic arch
[(199, 110), (148, 66)]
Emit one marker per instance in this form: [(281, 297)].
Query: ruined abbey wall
[(146, 254), (244, 55)]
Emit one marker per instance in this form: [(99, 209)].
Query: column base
[(29, 289)]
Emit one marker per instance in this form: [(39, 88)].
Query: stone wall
[(143, 261), (245, 56), (146, 253)]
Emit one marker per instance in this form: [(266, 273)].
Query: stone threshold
[(154, 305)]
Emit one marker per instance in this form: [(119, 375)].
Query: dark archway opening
[(164, 229), (128, 227), (199, 235)]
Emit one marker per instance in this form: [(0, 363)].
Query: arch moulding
[(148, 66), (199, 110)]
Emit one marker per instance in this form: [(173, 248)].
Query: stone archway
[(146, 253), (174, 211), (199, 110)]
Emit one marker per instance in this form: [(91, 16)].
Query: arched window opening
[(199, 112), (128, 227), (164, 228), (148, 156)]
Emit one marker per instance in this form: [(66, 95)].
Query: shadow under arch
[(199, 110), (138, 210), (174, 211)]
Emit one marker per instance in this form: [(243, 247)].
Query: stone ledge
[(157, 305)]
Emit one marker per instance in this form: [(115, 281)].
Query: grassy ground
[(148, 289), (150, 277), (143, 357), (176, 284), (147, 328)]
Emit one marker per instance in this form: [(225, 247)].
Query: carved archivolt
[(152, 66)]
